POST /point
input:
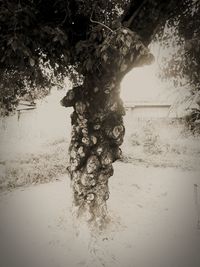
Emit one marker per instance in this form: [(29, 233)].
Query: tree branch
[(144, 17), (130, 20), (100, 23)]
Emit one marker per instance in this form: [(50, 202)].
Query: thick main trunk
[(97, 122), (97, 134)]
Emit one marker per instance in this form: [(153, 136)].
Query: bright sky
[(142, 84)]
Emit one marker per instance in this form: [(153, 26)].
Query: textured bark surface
[(97, 122)]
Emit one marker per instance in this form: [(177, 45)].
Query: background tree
[(99, 41), (183, 65)]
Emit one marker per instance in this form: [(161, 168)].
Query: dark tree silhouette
[(100, 41)]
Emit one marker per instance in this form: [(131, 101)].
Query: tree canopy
[(64, 36)]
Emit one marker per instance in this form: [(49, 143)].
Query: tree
[(100, 41), (183, 66)]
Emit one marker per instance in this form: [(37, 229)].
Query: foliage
[(34, 35), (63, 35), (183, 34), (41, 43), (183, 65)]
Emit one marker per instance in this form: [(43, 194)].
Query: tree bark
[(97, 122)]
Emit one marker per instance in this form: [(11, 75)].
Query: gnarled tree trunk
[(97, 122)]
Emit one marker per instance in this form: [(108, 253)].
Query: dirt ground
[(154, 201), (154, 215)]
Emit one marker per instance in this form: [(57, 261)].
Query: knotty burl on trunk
[(97, 121)]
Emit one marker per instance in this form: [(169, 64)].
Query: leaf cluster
[(38, 34)]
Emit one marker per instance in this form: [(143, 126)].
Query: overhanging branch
[(145, 17)]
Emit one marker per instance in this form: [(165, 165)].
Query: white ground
[(154, 223)]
